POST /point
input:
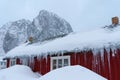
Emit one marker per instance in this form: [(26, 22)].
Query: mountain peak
[(44, 12), (45, 26), (49, 25)]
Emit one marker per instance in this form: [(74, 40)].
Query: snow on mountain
[(46, 25), (72, 73), (96, 40), (3, 31), (18, 72), (16, 34)]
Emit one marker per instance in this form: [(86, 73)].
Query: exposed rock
[(48, 25), (44, 27)]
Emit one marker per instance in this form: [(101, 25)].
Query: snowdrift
[(18, 72), (71, 73)]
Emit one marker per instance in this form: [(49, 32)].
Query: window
[(12, 62), (24, 61), (4, 63), (54, 64), (1, 63), (58, 62)]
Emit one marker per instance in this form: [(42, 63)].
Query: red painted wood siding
[(8, 63), (106, 65), (42, 65), (18, 61)]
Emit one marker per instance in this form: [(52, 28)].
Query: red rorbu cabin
[(97, 50)]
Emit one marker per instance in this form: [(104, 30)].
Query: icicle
[(102, 56), (85, 58), (76, 50), (102, 52), (95, 51), (113, 52), (109, 63), (46, 56), (94, 63), (31, 61), (62, 53)]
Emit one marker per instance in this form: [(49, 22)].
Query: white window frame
[(2, 64), (57, 58), (24, 61), (12, 60)]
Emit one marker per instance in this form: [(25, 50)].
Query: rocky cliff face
[(16, 34), (48, 25), (45, 26), (3, 31)]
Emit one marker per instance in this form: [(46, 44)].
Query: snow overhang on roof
[(1, 58), (95, 40)]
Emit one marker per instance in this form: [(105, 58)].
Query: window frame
[(24, 61), (12, 60), (58, 58), (2, 64)]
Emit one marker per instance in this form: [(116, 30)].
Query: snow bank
[(71, 73), (18, 72), (98, 39)]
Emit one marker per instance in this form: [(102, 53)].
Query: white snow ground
[(71, 73), (96, 40), (18, 72)]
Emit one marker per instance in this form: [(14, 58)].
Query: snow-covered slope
[(95, 40), (18, 72), (46, 25), (16, 34), (71, 73), (3, 31)]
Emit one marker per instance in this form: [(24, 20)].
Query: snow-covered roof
[(1, 58), (72, 73), (95, 40), (18, 72)]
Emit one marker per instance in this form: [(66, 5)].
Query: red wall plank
[(107, 65), (8, 63)]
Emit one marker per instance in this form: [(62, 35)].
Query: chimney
[(115, 20), (30, 39)]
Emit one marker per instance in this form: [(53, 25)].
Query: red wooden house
[(97, 50)]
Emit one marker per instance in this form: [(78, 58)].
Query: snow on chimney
[(115, 20)]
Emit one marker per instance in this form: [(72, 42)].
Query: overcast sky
[(83, 15)]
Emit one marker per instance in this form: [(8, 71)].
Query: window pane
[(4, 63), (65, 62), (24, 61), (12, 63), (54, 64), (59, 63), (1, 63)]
